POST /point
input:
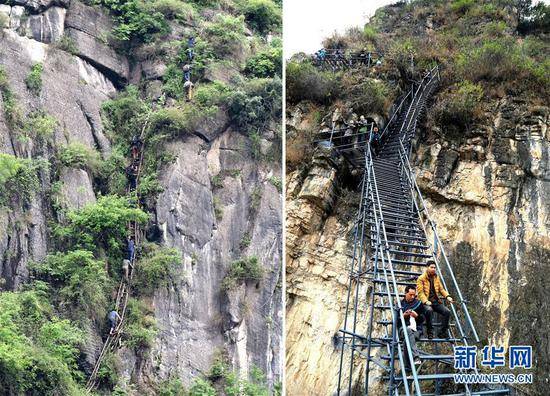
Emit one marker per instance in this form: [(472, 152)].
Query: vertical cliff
[(210, 189)]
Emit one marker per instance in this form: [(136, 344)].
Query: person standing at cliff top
[(430, 293)]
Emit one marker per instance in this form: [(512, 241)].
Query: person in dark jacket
[(413, 312), (131, 174)]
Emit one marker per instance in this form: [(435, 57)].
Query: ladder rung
[(402, 253)]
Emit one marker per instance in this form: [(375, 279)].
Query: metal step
[(402, 253)]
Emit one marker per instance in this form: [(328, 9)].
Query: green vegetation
[(459, 108), (66, 43), (78, 279), (267, 63), (12, 112), (245, 269), (263, 15), (173, 9), (37, 126), (305, 82), (245, 241), (18, 178), (77, 155), (225, 35), (157, 267), (136, 21), (100, 225), (38, 351), (34, 79), (140, 329), (277, 182)]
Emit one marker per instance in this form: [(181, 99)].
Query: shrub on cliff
[(246, 269), (101, 225), (266, 63), (38, 351), (79, 279), (255, 104), (157, 267), (77, 155), (458, 108), (136, 22), (18, 178), (305, 82), (34, 79), (225, 35), (262, 15)]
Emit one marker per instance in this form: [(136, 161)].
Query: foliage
[(218, 208), (157, 267), (213, 94), (66, 43), (456, 110), (34, 79), (140, 329), (80, 280), (136, 22), (265, 64), (225, 35), (245, 269), (38, 351), (77, 155), (255, 104), (262, 15), (173, 386), (173, 121), (39, 125), (12, 112), (370, 33), (461, 6), (101, 224), (305, 82), (18, 178), (125, 115), (367, 96), (201, 387), (173, 9), (277, 182)]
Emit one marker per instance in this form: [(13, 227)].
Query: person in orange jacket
[(431, 293)]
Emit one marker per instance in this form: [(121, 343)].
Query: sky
[(308, 22)]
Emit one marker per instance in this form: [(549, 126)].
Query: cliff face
[(196, 319), (486, 187)]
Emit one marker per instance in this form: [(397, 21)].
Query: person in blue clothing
[(114, 319), (131, 248), (191, 42), (187, 72), (190, 54)]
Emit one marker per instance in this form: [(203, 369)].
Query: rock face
[(488, 195), (195, 317)]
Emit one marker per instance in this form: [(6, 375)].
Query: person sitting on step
[(431, 293), (413, 312)]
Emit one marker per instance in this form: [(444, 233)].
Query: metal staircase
[(393, 237)]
